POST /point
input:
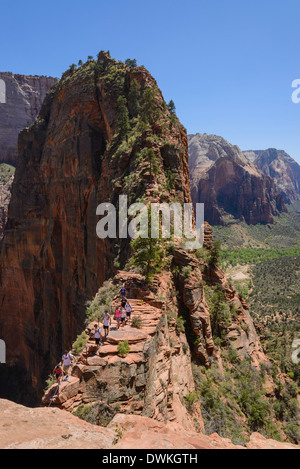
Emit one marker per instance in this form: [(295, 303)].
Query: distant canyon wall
[(21, 98)]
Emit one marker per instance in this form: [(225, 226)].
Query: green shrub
[(136, 322), (123, 348), (180, 322), (80, 343)]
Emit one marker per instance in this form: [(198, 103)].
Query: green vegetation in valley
[(234, 257)]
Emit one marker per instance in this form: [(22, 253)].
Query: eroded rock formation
[(72, 159), (229, 184)]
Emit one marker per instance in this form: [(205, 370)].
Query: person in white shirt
[(97, 334), (128, 309), (106, 323), (67, 360)]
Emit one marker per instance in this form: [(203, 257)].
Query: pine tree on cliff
[(131, 63), (172, 107), (123, 116), (134, 98), (148, 253), (149, 109), (152, 163)]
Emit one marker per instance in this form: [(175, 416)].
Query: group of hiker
[(61, 371), (122, 316)]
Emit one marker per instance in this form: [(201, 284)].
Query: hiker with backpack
[(98, 336), (123, 302), (57, 373), (123, 291), (66, 360)]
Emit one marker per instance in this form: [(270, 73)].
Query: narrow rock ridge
[(152, 380), (70, 160)]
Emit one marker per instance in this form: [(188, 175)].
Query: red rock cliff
[(71, 160)]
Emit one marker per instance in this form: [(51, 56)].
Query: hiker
[(123, 302), (57, 372), (123, 291), (97, 334), (123, 317), (128, 310), (118, 316), (67, 360), (106, 323)]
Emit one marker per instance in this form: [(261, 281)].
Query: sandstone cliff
[(24, 96), (74, 157), (229, 184), (283, 169)]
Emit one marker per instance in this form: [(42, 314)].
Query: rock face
[(283, 169), (6, 181), (24, 428), (229, 184), (24, 96), (72, 159)]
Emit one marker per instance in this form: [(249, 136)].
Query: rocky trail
[(98, 359)]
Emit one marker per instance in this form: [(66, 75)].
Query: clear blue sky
[(227, 64)]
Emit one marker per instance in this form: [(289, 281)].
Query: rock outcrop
[(24, 428), (24, 96), (155, 376), (229, 184), (73, 158), (281, 167)]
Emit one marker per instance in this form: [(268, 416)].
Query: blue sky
[(227, 64)]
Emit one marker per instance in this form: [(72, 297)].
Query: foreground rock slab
[(47, 428), (44, 428)]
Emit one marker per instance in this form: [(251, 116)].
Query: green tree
[(172, 107), (134, 98), (123, 116), (90, 58), (73, 67), (215, 254), (150, 111), (80, 63), (148, 253), (151, 162), (131, 63)]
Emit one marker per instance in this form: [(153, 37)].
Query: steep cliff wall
[(229, 184), (74, 157), (283, 169), (23, 99)]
